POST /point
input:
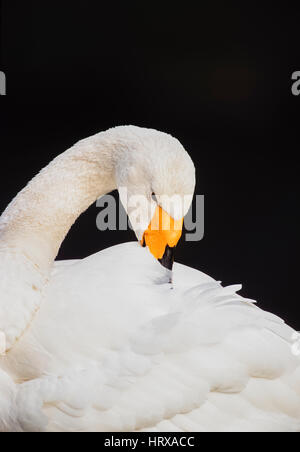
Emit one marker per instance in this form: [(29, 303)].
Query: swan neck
[(39, 218)]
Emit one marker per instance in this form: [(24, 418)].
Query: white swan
[(104, 344)]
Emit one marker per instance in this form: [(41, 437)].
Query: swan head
[(156, 181)]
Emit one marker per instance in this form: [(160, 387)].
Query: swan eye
[(154, 197)]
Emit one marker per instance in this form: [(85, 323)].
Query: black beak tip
[(167, 260)]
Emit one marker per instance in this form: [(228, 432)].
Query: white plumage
[(107, 344)]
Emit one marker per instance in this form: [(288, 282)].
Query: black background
[(216, 76)]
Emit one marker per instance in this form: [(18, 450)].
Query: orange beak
[(162, 236)]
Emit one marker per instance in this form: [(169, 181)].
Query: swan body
[(108, 344)]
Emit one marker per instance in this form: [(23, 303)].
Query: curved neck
[(36, 222), (38, 219)]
